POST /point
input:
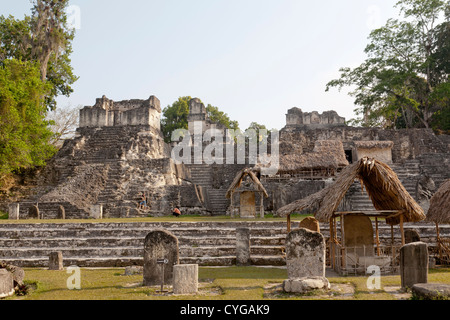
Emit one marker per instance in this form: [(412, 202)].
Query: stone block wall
[(107, 113)]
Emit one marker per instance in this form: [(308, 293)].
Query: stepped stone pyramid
[(118, 154)]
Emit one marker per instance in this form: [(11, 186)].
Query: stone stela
[(160, 246)]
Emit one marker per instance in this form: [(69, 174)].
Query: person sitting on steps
[(143, 203), (176, 212)]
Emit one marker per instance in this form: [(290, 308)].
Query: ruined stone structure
[(107, 113), (297, 118), (412, 154), (119, 154)]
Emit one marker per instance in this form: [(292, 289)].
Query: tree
[(401, 83), (215, 115), (24, 133), (176, 117), (43, 37), (63, 123)]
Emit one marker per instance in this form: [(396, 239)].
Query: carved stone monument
[(414, 264), (55, 261), (6, 283), (13, 211), (305, 254), (242, 247), (185, 279), (160, 244)]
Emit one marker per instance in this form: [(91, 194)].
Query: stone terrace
[(121, 244)]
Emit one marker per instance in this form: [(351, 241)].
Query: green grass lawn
[(215, 283)]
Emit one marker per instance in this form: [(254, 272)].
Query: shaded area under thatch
[(327, 154), (381, 183), (439, 211), (240, 176)]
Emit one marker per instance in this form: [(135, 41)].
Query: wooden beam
[(343, 260), (438, 239), (332, 243), (377, 237), (402, 231)]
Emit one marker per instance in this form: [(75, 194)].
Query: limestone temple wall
[(297, 118), (108, 113)]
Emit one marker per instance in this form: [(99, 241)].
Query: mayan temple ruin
[(119, 154), (118, 158)]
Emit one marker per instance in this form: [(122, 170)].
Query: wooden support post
[(438, 240), (343, 255), (402, 231), (261, 212), (288, 223), (332, 243), (232, 205), (392, 234), (377, 237)]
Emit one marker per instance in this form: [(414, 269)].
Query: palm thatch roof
[(439, 211), (327, 154), (240, 177), (381, 183)]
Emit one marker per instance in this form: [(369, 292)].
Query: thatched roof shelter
[(240, 177), (439, 211), (327, 154), (381, 183)]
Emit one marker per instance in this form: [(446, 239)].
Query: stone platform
[(105, 244)]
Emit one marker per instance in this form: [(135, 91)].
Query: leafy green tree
[(24, 132), (215, 115), (402, 82), (175, 117), (46, 38)]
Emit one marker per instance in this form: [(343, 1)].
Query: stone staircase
[(216, 201), (121, 244)]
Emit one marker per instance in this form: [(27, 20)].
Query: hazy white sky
[(254, 59)]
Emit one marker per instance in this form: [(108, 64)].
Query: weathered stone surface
[(13, 211), (411, 235), (108, 113), (61, 212), (414, 264), (96, 212), (33, 212), (432, 291), (6, 283), (242, 246), (55, 261), (160, 244), (185, 279), (303, 285), (133, 270), (305, 254), (296, 117), (17, 272), (310, 223), (358, 234)]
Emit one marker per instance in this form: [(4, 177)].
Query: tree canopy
[(404, 82), (175, 117), (34, 69), (24, 132), (43, 37)]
